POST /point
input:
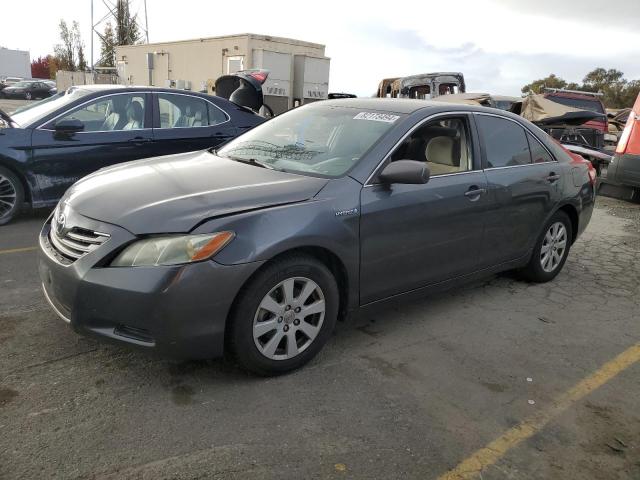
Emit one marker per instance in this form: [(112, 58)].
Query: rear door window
[(182, 111), (505, 142), (186, 111)]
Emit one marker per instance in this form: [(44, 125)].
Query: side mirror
[(70, 125), (405, 171)]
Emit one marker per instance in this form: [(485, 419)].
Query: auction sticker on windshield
[(376, 117)]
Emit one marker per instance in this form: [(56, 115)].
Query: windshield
[(39, 110), (592, 105), (317, 140), (21, 84)]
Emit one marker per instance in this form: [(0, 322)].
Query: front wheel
[(28, 96), (551, 250), (283, 316), (11, 196)]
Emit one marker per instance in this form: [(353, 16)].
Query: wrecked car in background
[(624, 168), (423, 86), (580, 130), (502, 102), (617, 121)]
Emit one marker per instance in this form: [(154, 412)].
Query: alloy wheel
[(8, 195), (289, 318), (553, 248)]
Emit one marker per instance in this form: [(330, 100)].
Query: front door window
[(114, 112)]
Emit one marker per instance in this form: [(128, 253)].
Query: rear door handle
[(474, 192), (553, 177)]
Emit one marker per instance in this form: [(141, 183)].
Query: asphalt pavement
[(501, 378)]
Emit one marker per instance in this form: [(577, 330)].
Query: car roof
[(395, 105), (107, 88)]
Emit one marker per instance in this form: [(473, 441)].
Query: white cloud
[(498, 44)]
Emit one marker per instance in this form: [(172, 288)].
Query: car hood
[(177, 192)]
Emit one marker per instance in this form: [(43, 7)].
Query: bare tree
[(69, 54), (65, 51)]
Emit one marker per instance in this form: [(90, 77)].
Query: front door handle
[(553, 177), (474, 193), (140, 140)]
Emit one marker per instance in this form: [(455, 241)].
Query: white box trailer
[(14, 63), (277, 88), (311, 79)]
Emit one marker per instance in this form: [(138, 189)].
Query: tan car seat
[(440, 156)]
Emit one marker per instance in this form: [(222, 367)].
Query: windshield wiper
[(251, 161)]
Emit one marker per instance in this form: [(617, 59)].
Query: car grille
[(76, 242)]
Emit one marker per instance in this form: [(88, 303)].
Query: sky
[(499, 45)]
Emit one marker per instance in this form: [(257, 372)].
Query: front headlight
[(172, 250)]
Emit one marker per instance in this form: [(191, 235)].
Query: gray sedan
[(257, 248)]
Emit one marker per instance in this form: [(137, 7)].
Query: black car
[(29, 90), (48, 146), (256, 248)]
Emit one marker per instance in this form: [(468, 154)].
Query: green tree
[(537, 86), (631, 93), (610, 82), (617, 92), (108, 48), (127, 31)]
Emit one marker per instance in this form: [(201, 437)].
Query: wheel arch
[(332, 261), (572, 213)]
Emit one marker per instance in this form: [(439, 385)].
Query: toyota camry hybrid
[(257, 248)]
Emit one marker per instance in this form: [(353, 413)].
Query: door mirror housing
[(70, 125), (405, 171)]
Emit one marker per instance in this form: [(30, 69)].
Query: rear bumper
[(176, 311)]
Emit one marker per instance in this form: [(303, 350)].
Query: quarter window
[(185, 111), (539, 154), (216, 116), (115, 112), (443, 144), (504, 141)]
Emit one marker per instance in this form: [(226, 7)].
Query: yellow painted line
[(489, 455), (18, 250)]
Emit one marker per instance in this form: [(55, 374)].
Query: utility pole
[(112, 14), (91, 66), (146, 21)]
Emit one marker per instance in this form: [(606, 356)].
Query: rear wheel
[(28, 96), (284, 316), (11, 196), (551, 250)]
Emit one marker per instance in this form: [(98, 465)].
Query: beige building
[(299, 71)]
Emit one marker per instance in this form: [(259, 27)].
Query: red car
[(584, 101), (624, 168)]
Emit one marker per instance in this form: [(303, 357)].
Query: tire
[(551, 250), (259, 338), (27, 96), (11, 196)]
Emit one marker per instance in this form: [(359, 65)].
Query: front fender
[(320, 222)]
